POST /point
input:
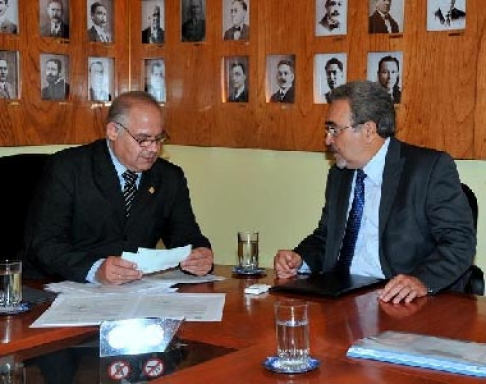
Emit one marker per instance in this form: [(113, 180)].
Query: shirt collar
[(374, 168), (119, 167)]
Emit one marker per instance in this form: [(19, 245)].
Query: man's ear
[(371, 130), (112, 131)]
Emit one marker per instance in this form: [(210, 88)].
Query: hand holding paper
[(154, 260)]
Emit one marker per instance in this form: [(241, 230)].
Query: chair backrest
[(475, 284), (20, 173)]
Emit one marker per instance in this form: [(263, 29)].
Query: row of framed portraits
[(384, 16), (330, 71)]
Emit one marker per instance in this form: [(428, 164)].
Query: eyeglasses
[(334, 130), (145, 141)]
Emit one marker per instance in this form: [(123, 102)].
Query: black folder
[(326, 284), (34, 296)]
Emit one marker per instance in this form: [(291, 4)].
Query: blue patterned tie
[(129, 189), (353, 224)]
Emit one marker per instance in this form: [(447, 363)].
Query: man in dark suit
[(381, 21), (194, 29), (285, 81), (389, 77), (57, 88), (6, 89), (333, 22), (334, 74), (154, 34), (99, 17), (6, 25), (238, 91), (448, 15), (56, 27), (98, 82), (239, 30), (416, 227)]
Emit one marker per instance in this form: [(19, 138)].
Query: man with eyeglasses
[(413, 225), (80, 224)]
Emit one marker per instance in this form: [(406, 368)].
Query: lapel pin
[(151, 190)]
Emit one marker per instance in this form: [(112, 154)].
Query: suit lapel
[(148, 189)]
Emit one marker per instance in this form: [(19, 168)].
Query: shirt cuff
[(91, 276)]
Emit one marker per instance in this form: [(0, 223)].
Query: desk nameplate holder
[(137, 350)]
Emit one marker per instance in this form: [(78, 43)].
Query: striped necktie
[(353, 224), (129, 189)]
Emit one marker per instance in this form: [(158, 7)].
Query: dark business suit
[(242, 97), (57, 91), (244, 33), (148, 37), (63, 31), (425, 223), (192, 31), (287, 98), (8, 27), (377, 24), (93, 35), (455, 14), (78, 213)]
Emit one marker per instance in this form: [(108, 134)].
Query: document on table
[(154, 260), (439, 353), (83, 310)]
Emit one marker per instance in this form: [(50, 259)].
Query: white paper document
[(82, 310), (154, 260)]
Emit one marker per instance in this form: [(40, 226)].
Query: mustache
[(335, 13)]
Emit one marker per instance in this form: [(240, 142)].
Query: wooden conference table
[(248, 328)]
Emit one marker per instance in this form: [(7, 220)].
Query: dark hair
[(368, 101), (95, 5), (238, 64), (336, 61), (388, 58), (123, 104), (243, 4), (286, 62), (98, 62), (55, 1), (57, 62)]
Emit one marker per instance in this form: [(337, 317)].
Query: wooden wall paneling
[(480, 112)]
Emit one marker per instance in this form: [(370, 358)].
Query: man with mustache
[(57, 88), (194, 29), (81, 220), (331, 23), (99, 17), (334, 74), (6, 25), (381, 21), (285, 81), (6, 89), (55, 27), (411, 222)]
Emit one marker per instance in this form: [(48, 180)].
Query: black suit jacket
[(77, 214), (377, 24), (288, 97), (63, 30), (193, 32), (244, 33), (58, 91), (425, 223), (242, 97), (455, 15), (147, 36)]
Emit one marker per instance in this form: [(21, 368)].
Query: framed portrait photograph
[(236, 79), (331, 17), (280, 79), (330, 71), (236, 20), (193, 17), (153, 21), (386, 68), (445, 15), (101, 78), (9, 75), (9, 16), (100, 21), (386, 16), (155, 78), (54, 76), (54, 18)]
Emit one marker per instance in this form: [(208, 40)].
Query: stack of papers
[(155, 260), (449, 355)]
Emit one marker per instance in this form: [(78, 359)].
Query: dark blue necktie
[(129, 189), (353, 224)]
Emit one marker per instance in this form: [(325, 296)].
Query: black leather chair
[(20, 173), (475, 284)]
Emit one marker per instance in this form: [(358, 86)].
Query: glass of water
[(10, 283), (292, 325)]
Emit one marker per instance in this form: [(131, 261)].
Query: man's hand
[(402, 288), (115, 270), (199, 262), (286, 264)]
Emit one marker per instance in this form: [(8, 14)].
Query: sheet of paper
[(82, 310), (154, 260), (179, 277), (143, 285)]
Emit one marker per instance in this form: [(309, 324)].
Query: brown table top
[(248, 326)]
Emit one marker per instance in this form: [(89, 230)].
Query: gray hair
[(121, 107), (368, 101)]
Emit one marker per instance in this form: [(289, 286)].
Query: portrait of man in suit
[(194, 25), (285, 78), (8, 89), (446, 14), (238, 87), (389, 77), (381, 20), (57, 87), (100, 23), (6, 24), (239, 29), (155, 81), (99, 79), (331, 17), (154, 33), (334, 74), (52, 20)]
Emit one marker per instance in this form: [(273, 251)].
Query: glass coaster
[(273, 364), (15, 310)]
